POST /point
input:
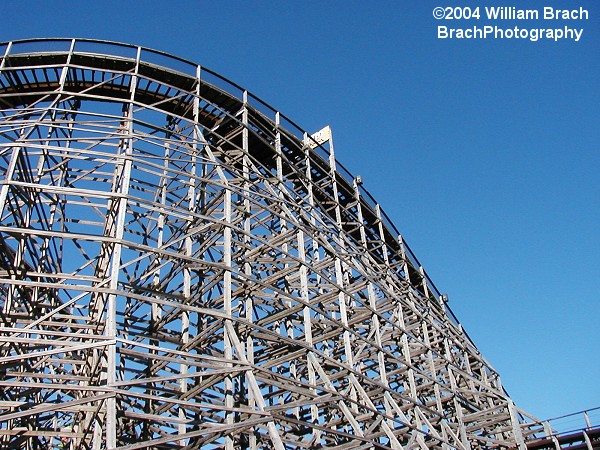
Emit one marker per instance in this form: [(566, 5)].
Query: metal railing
[(573, 425)]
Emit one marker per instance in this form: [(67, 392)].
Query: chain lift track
[(181, 266)]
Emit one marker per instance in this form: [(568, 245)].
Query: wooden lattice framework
[(183, 267)]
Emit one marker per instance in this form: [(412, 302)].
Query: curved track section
[(183, 267)]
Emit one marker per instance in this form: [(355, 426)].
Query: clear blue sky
[(485, 153)]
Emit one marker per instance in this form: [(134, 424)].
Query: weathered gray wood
[(181, 265)]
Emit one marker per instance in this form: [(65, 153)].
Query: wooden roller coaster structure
[(182, 266)]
